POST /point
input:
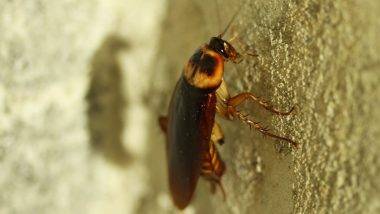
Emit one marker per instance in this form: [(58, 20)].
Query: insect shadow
[(106, 102)]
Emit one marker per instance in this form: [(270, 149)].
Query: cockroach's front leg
[(247, 51)]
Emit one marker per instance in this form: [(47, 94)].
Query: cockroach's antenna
[(218, 13), (231, 20)]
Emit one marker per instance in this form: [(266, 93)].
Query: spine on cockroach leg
[(264, 130)]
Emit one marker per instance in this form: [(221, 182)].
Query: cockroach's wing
[(189, 128), (184, 171)]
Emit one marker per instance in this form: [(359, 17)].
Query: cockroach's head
[(224, 48)]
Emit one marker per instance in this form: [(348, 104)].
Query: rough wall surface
[(323, 56), (81, 85)]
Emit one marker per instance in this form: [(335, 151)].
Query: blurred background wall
[(82, 84), (72, 126)]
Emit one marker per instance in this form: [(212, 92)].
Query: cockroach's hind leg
[(222, 189), (163, 121), (216, 182), (238, 99), (212, 188), (217, 134), (256, 125)]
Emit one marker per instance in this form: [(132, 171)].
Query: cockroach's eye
[(225, 46), (223, 49)]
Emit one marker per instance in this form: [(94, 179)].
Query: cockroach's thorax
[(224, 48), (205, 69)]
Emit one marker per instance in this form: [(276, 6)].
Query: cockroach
[(190, 127)]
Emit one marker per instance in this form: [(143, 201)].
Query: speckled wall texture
[(82, 84), (323, 56)]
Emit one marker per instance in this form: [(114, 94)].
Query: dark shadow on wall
[(106, 102)]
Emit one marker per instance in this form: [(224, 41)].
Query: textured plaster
[(323, 56)]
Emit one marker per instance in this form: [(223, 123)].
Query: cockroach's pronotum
[(190, 127)]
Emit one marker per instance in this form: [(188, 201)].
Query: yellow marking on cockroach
[(197, 76)]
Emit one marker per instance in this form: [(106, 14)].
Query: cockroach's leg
[(226, 107), (217, 134), (252, 124), (238, 99), (215, 181), (213, 167), (163, 121), (221, 188), (224, 100), (222, 95), (247, 51), (212, 187)]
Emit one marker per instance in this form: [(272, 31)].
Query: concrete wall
[(82, 84)]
